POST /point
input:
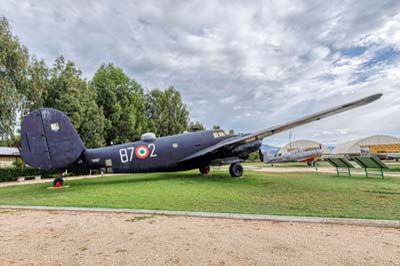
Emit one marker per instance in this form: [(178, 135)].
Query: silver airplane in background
[(308, 156)]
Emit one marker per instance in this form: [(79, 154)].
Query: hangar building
[(372, 144), (303, 144), (8, 155)]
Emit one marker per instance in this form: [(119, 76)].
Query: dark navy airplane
[(49, 141)]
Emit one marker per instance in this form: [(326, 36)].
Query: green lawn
[(293, 164), (393, 166), (257, 193)]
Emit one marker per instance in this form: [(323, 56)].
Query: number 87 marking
[(126, 154)]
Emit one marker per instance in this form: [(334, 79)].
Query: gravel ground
[(72, 238)]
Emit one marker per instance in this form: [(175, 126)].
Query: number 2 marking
[(153, 149)]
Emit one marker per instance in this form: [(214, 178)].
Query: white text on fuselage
[(141, 152)]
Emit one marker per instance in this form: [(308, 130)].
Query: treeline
[(111, 108)]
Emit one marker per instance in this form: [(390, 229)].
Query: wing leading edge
[(259, 135)]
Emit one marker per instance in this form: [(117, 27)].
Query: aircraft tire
[(236, 170), (204, 170), (58, 182)]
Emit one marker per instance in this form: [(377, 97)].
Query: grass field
[(257, 193), (294, 164), (393, 166)]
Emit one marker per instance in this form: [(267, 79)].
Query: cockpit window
[(219, 134)]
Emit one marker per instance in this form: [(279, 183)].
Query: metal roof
[(9, 151), (354, 146)]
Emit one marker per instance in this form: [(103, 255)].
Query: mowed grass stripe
[(303, 194)]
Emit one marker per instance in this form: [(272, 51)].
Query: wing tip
[(374, 97)]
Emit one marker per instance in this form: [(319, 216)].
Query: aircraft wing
[(259, 135)]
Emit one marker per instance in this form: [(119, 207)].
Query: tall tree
[(123, 103), (92, 120), (37, 85), (196, 126), (215, 127), (14, 60), (167, 114), (68, 92), (154, 111)]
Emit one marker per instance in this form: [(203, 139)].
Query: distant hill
[(265, 148)]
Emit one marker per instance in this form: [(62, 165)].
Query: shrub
[(11, 173)]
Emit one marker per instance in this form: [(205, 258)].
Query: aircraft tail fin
[(49, 140), (265, 157)]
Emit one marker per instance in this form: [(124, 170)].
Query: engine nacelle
[(248, 147)]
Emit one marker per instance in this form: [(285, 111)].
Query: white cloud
[(228, 100), (242, 65)]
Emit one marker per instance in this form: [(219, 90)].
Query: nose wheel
[(236, 170), (204, 170)]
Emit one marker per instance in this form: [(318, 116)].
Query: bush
[(11, 173), (254, 157)]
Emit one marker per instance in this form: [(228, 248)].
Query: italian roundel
[(142, 152)]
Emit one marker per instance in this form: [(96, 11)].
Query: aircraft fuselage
[(161, 154)]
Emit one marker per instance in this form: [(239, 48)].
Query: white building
[(8, 155), (373, 144)]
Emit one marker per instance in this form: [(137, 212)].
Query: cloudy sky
[(244, 65)]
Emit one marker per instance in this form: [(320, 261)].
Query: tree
[(166, 113), (69, 93), (154, 111), (14, 59), (196, 126), (215, 127), (92, 120), (123, 103), (37, 86)]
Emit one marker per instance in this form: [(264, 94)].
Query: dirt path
[(71, 238)]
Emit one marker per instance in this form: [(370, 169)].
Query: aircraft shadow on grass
[(131, 180)]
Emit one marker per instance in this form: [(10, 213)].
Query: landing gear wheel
[(204, 170), (236, 170), (58, 182), (310, 163)]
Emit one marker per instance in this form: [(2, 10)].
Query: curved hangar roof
[(303, 144), (373, 144)]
